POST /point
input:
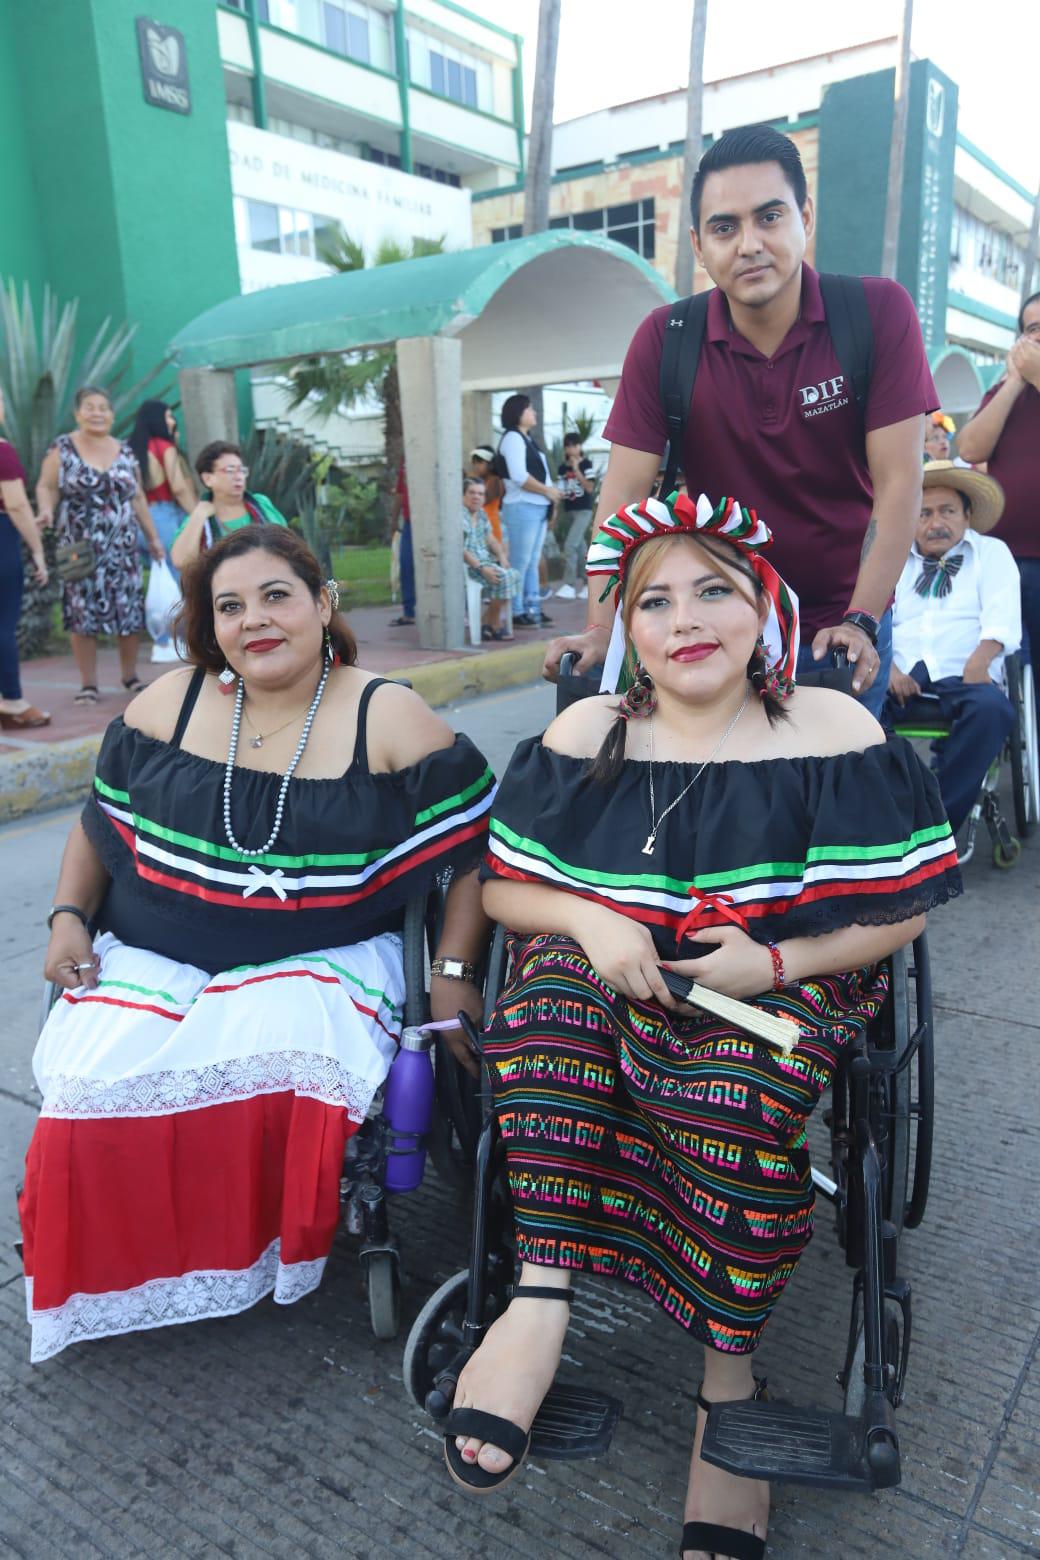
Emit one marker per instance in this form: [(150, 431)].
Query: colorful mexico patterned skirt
[(666, 1151)]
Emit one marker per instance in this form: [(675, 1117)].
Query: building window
[(978, 248), (452, 79), (450, 72), (385, 159), (502, 235), (438, 175), (631, 224), (280, 230)]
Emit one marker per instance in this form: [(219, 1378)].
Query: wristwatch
[(865, 622), (453, 969)]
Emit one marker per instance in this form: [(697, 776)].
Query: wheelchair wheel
[(1023, 744), (922, 1091), (896, 1102), (437, 1336), (1006, 855), (383, 1283), (854, 1389), (413, 937)]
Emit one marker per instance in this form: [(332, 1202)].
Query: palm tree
[(539, 155), (538, 179), (693, 144), (337, 381), (897, 149)]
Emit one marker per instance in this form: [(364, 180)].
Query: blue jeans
[(1029, 569), (168, 517), (524, 526), (980, 717), (406, 563), (874, 698), (12, 584)]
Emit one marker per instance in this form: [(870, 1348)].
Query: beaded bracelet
[(779, 978)]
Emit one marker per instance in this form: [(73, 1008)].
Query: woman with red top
[(166, 483), (16, 521)]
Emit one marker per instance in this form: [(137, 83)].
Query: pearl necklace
[(236, 722)]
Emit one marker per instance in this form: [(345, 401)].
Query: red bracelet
[(779, 978)]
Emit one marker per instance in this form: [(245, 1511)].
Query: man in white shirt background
[(957, 613)]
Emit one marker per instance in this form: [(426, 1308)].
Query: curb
[(57, 774), (467, 677), (52, 774)]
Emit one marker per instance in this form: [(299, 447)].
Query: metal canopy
[(552, 307)]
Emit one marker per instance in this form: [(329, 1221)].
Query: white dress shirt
[(984, 602)]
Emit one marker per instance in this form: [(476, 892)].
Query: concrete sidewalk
[(52, 765)]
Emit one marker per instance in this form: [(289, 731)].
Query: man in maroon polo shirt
[(1005, 432), (772, 421)]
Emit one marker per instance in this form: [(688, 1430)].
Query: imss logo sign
[(164, 66)]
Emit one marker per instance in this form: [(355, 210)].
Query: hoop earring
[(639, 699)]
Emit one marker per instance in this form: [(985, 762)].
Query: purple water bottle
[(408, 1109)]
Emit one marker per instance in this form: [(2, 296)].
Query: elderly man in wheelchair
[(708, 882), (957, 614)]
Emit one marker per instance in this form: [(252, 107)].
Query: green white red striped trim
[(765, 888)]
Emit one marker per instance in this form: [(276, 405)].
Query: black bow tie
[(937, 575)]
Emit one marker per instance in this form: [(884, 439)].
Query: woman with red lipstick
[(721, 822), (226, 929)]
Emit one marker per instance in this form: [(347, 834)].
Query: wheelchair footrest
[(799, 1445), (573, 1422)]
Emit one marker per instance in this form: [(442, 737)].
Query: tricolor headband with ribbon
[(616, 540)]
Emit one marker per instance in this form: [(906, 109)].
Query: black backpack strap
[(680, 354), (851, 331)]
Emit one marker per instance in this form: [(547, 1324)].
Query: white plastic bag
[(161, 601)]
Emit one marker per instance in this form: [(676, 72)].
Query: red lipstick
[(698, 652), (261, 646)]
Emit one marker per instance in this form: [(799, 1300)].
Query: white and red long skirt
[(188, 1155)]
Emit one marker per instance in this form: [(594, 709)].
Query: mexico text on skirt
[(664, 1150)]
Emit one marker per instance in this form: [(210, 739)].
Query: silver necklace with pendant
[(655, 821), (258, 738)]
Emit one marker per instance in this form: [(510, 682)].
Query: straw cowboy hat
[(985, 494)]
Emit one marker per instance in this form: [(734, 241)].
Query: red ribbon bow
[(696, 918)]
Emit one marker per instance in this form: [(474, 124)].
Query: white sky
[(613, 53)]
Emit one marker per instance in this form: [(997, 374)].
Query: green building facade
[(109, 197)]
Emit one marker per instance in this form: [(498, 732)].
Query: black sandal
[(134, 684), (88, 694), (502, 1433), (731, 1543)]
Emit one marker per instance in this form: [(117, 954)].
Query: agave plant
[(36, 370), (40, 370)]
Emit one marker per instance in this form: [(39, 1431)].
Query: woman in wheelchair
[(646, 1139), (257, 823)]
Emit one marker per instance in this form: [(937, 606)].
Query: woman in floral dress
[(94, 483)]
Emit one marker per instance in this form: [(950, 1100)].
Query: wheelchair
[(1020, 753), (364, 1210), (880, 1123)]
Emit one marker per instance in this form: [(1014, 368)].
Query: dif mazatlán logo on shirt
[(827, 396)]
